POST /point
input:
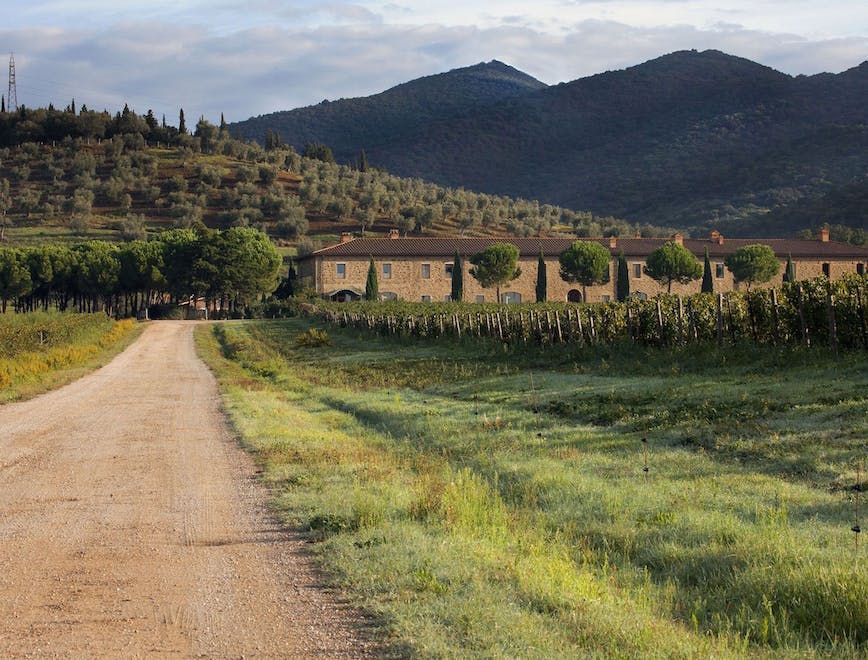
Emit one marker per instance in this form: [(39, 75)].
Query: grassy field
[(41, 351), (483, 503)]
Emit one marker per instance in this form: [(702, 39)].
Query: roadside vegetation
[(491, 502), (44, 350)]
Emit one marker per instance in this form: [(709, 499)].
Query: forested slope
[(698, 140)]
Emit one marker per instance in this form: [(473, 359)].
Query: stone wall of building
[(429, 278)]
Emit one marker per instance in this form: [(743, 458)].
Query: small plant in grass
[(312, 338)]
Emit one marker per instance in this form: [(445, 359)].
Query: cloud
[(265, 68)]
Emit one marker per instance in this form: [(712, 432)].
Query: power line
[(12, 94)]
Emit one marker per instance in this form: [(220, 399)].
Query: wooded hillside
[(696, 140)]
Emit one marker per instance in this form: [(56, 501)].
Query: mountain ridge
[(695, 139)]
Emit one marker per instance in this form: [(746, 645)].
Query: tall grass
[(42, 350), (473, 526)]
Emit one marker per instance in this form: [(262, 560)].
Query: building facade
[(420, 269)]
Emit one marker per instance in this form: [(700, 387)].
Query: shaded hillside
[(379, 121), (698, 140), (102, 178)]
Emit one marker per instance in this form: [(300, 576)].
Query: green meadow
[(489, 503), (44, 350)]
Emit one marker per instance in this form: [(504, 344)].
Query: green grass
[(473, 525), (44, 350)]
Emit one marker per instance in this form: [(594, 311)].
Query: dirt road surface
[(131, 525)]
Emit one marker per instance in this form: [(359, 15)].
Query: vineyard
[(810, 313)]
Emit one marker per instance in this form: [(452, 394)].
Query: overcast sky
[(260, 56)]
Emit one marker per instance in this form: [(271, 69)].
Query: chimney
[(638, 234), (714, 236), (346, 237), (678, 239), (394, 233), (613, 242), (823, 235)]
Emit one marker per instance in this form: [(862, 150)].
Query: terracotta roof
[(552, 247)]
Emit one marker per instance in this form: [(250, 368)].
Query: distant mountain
[(392, 117), (697, 140)]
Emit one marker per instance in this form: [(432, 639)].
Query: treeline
[(227, 269), (52, 125), (809, 313)]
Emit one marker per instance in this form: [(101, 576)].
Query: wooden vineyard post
[(660, 324), (833, 328), (806, 339), (720, 320), (558, 323), (681, 338), (732, 333), (499, 327), (691, 316), (579, 326), (629, 316), (457, 323), (591, 329), (861, 307), (776, 317)]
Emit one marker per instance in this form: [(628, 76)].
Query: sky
[(244, 59)]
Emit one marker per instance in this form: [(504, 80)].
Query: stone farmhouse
[(420, 269)]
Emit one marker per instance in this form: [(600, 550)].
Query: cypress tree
[(707, 282), (3, 104), (623, 291), (372, 288), (363, 162), (790, 270), (541, 278), (457, 278), (182, 125)]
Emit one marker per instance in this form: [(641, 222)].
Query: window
[(637, 271), (341, 270), (511, 297), (860, 269), (447, 298), (448, 269), (606, 298), (826, 269), (639, 295), (480, 298), (426, 298), (718, 271), (574, 296), (388, 295), (387, 271), (426, 271)]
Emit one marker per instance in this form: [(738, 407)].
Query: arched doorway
[(344, 295), (574, 296)]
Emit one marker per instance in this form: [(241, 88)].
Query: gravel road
[(131, 525)]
